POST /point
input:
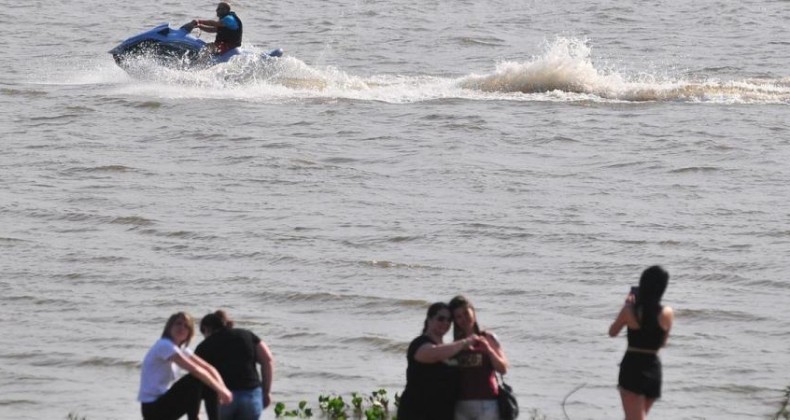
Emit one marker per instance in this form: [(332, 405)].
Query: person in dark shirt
[(228, 28), (648, 324), (431, 380), (235, 353)]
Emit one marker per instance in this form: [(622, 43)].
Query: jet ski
[(176, 48)]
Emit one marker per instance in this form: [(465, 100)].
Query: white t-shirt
[(159, 372)]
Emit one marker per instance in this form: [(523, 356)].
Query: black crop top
[(649, 336)]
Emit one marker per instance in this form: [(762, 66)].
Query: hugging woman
[(431, 377), (477, 365)]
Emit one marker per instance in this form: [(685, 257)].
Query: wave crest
[(567, 70), (565, 66)]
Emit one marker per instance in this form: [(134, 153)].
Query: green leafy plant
[(302, 411), (783, 412), (376, 406), (376, 412), (379, 406), (535, 414), (333, 407), (356, 402), (369, 407)]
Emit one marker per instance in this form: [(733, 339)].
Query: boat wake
[(564, 71)]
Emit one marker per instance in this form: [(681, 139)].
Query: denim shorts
[(247, 405), (477, 410)]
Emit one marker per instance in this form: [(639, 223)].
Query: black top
[(649, 336), (431, 388), (233, 353)]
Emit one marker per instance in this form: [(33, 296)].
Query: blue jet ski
[(175, 48)]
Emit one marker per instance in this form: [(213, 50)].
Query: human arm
[(211, 370), (495, 352), (194, 365), (209, 26), (266, 360), (625, 317), (213, 25), (665, 320), (432, 353), (621, 321)]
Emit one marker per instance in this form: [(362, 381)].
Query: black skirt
[(640, 373)]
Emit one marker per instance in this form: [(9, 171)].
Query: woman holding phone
[(477, 365), (648, 324)]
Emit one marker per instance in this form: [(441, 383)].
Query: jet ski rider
[(228, 28)]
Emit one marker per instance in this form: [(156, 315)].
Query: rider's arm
[(207, 25)]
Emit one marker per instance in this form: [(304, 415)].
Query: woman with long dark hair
[(431, 380), (477, 365), (161, 396), (648, 324)]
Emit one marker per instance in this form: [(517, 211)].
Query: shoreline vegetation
[(783, 412), (376, 406), (372, 407)]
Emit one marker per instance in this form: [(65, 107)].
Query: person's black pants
[(182, 398), (211, 403)]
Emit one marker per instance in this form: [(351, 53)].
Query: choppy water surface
[(534, 156)]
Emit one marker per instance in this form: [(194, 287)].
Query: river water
[(535, 156)]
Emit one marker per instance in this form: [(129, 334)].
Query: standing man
[(228, 29)]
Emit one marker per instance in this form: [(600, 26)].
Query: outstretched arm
[(207, 25), (211, 370), (432, 353), (195, 368)]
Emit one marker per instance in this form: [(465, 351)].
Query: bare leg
[(633, 405)]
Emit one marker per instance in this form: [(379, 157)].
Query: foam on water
[(564, 71)]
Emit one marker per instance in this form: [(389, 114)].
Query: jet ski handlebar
[(189, 26)]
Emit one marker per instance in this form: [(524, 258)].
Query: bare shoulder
[(667, 318), (490, 336)]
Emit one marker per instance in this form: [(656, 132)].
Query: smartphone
[(634, 290)]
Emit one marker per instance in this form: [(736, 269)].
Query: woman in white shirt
[(161, 396)]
